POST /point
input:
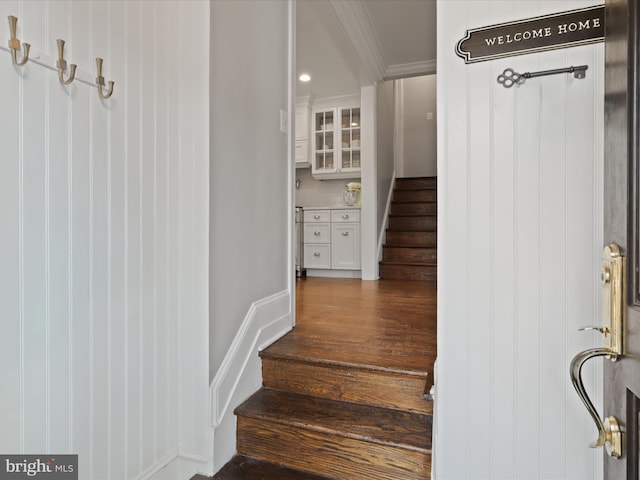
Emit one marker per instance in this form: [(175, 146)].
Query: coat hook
[(100, 81), (62, 65), (14, 43)]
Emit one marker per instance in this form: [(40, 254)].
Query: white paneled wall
[(103, 244), (520, 228)]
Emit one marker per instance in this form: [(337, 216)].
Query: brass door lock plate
[(613, 300)]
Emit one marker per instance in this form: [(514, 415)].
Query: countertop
[(334, 207)]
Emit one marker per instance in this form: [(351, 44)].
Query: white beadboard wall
[(104, 238), (520, 229)]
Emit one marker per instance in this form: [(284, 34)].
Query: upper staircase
[(410, 251)]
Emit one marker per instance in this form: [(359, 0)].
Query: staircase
[(410, 250), (345, 416)]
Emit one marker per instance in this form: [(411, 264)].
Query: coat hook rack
[(100, 81), (510, 77), (62, 65), (14, 43)]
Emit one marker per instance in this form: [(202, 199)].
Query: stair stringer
[(382, 234), (240, 374)]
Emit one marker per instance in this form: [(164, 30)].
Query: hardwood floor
[(343, 394), (388, 324)]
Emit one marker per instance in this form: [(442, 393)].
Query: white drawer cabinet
[(342, 216), (332, 239), (317, 216), (317, 233), (317, 256)]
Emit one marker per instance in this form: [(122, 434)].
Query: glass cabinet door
[(350, 138), (324, 141)]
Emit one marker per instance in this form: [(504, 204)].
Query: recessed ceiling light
[(305, 77)]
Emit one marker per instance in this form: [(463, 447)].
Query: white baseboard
[(240, 374), (318, 272), (176, 466)]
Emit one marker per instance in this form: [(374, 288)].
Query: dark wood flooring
[(343, 394)]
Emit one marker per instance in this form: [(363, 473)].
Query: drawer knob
[(316, 233), (317, 254), (345, 216), (345, 234), (317, 217)]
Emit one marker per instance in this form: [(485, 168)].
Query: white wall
[(249, 164), (520, 228), (103, 252), (251, 212), (320, 193), (418, 133)]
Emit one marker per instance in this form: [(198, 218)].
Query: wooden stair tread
[(392, 366), (390, 271), (410, 196), (411, 263), (408, 238), (402, 392), (413, 215), (416, 183), (246, 468), (385, 426)]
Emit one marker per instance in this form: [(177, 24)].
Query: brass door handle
[(602, 330), (613, 300), (609, 431)]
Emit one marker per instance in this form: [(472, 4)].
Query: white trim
[(414, 69), (262, 314), (159, 467), (328, 273), (291, 156), (358, 27), (369, 181), (346, 100), (173, 465), (398, 144), (385, 223), (240, 374)]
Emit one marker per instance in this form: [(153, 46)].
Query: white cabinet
[(302, 122), (336, 143), (317, 239), (302, 135), (345, 239), (332, 239)]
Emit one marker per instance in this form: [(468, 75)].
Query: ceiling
[(346, 44)]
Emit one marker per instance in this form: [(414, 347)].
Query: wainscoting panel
[(520, 225), (104, 244)]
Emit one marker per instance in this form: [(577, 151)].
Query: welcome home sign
[(560, 30)]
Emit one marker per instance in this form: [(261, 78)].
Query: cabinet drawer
[(317, 256), (317, 233), (341, 216), (317, 216)]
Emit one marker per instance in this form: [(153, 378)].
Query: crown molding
[(357, 25), (413, 69)]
